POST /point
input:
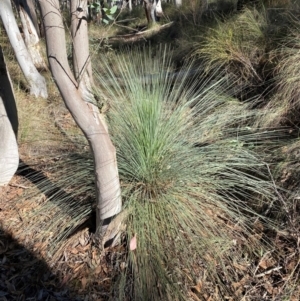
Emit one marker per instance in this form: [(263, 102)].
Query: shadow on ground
[(25, 277)]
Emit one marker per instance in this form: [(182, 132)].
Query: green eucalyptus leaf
[(110, 17), (113, 9)]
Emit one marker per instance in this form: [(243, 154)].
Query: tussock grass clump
[(237, 44), (285, 102)]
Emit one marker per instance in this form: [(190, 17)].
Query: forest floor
[(83, 271)]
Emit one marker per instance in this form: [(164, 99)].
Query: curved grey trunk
[(36, 81), (9, 156), (108, 191)]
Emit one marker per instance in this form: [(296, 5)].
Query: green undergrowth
[(286, 99), (237, 44), (193, 175)]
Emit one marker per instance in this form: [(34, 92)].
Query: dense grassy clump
[(190, 173), (238, 45), (185, 167), (286, 99)]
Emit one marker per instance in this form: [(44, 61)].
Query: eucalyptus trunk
[(178, 3), (76, 93), (36, 81), (29, 7), (9, 155), (30, 32), (153, 10)]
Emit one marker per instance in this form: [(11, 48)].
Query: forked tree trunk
[(76, 97), (36, 81), (31, 35)]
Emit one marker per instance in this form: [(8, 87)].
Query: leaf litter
[(80, 270)]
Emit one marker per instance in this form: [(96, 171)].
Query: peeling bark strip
[(32, 40), (29, 8), (9, 156), (36, 81), (74, 91)]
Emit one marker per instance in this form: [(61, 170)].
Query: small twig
[(278, 194), (126, 20), (268, 272), (127, 27), (264, 256), (290, 276), (19, 186)]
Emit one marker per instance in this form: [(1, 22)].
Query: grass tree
[(188, 173), (76, 93), (191, 170)]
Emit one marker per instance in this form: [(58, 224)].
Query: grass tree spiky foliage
[(189, 170), (237, 44), (189, 177)]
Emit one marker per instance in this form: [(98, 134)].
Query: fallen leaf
[(98, 270), (83, 282), (197, 287), (74, 251), (123, 266), (132, 245)]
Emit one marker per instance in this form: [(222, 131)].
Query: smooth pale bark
[(31, 38), (178, 3), (9, 156), (36, 81), (7, 94), (153, 10), (130, 5), (158, 9), (108, 194), (81, 55)]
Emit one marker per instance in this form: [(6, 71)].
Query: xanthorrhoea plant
[(189, 176), (189, 171)]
